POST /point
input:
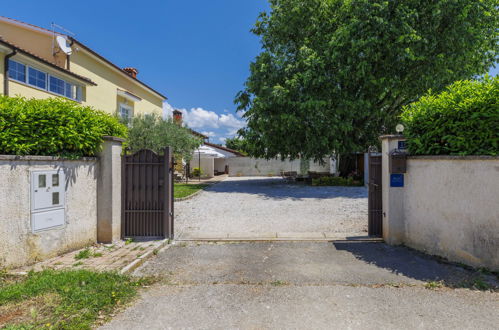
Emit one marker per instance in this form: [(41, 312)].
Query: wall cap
[(113, 138), (391, 136), (454, 157), (45, 158)]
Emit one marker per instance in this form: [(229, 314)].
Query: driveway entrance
[(270, 208)]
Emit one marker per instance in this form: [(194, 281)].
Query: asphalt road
[(306, 285)]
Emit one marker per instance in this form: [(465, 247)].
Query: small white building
[(212, 159)]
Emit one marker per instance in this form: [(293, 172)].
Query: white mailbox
[(47, 199)]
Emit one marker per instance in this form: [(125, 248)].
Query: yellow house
[(39, 63)]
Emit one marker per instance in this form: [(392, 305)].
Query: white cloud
[(210, 123), (167, 110), (209, 134), (200, 118), (231, 121)]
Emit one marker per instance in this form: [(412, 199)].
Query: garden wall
[(246, 166), (451, 208), (20, 244), (447, 206), (89, 201)]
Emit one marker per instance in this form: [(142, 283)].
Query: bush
[(53, 127), (336, 181), (196, 172), (462, 120)]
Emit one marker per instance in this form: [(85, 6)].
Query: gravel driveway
[(255, 205)]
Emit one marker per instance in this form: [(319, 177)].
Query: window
[(55, 180), (17, 71), (42, 181), (125, 112), (37, 78)]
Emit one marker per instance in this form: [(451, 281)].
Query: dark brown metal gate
[(147, 195), (375, 202)]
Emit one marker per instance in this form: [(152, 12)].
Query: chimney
[(131, 71), (177, 117)]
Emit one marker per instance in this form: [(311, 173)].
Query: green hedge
[(53, 127), (462, 120), (336, 181)]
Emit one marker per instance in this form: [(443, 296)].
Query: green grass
[(183, 190), (83, 254), (70, 299)]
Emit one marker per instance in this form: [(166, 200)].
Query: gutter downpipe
[(6, 72)]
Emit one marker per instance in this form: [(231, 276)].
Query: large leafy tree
[(333, 74), (153, 132), (237, 144)]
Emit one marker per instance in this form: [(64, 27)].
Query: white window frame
[(129, 110), (76, 93), (27, 77), (25, 72)]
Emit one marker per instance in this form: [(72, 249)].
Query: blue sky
[(195, 52)]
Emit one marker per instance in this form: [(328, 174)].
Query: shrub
[(462, 120), (53, 127), (196, 171), (336, 181)]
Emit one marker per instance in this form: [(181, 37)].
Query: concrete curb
[(245, 237), (143, 258)]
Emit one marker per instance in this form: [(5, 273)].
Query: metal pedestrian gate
[(147, 195), (375, 201)]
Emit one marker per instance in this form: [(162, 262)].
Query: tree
[(237, 144), (334, 74), (153, 132)]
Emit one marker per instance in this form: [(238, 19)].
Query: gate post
[(393, 194), (168, 214), (109, 191)]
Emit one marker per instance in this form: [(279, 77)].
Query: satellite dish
[(64, 45), (399, 128)]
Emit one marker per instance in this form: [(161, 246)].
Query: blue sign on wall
[(402, 145), (396, 180)]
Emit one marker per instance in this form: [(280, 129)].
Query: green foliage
[(334, 74), (462, 120), (335, 181), (237, 144), (196, 172), (53, 127), (83, 296), (153, 132), (83, 254)]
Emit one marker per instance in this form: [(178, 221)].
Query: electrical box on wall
[(398, 162), (47, 199)]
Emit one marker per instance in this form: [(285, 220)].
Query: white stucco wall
[(207, 166), (18, 244), (246, 166), (220, 164), (451, 208)]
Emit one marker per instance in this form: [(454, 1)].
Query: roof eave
[(105, 60)]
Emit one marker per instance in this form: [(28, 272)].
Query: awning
[(129, 96), (207, 152)]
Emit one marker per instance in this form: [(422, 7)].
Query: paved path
[(305, 285), (264, 207)]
